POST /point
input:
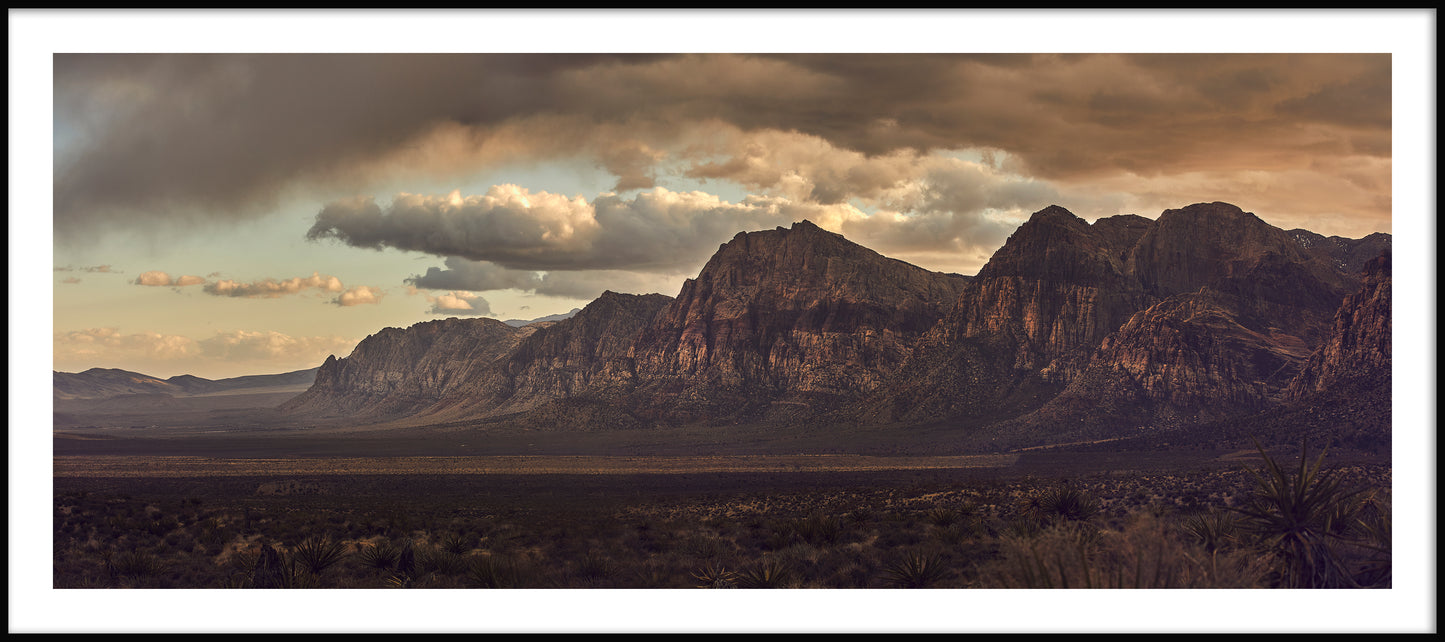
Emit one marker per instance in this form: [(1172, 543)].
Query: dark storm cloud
[(658, 231), (195, 137), (481, 276)]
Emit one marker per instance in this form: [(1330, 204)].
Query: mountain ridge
[(1071, 331)]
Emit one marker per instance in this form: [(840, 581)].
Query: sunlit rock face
[(796, 315)]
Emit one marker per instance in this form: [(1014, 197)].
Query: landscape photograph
[(506, 327)]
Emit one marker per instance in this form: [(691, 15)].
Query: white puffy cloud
[(272, 288), (153, 278), (158, 278), (359, 295), (459, 303)]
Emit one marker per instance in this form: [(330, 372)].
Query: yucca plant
[(916, 569), (317, 553), (1302, 518), (1068, 504), (456, 543), (1374, 525), (440, 561), (773, 573), (381, 556), (942, 517), (1213, 530), (819, 529), (713, 575), (488, 571)]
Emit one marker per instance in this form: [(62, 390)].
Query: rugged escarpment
[(588, 355), (1205, 312), (401, 371), (1356, 354), (792, 316), (1071, 330), (1023, 326), (459, 369)]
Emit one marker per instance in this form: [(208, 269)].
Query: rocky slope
[(788, 316), (400, 372), (1071, 329), (1080, 330), (458, 369), (1357, 351)]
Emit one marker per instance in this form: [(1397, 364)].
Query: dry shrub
[(1144, 554)]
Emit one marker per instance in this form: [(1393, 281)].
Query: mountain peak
[(1054, 213)]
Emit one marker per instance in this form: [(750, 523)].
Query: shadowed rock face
[(1206, 312), (460, 369), (400, 371), (1357, 350)]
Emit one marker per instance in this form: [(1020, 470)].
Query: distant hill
[(102, 383), (517, 323)]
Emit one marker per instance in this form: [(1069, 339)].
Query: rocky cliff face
[(403, 371), (587, 355), (1205, 312), (1071, 328), (791, 316), (1357, 350)]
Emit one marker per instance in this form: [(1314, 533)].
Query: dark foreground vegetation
[(1295, 522)]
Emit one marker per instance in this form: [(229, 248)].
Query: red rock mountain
[(1071, 328), (785, 317), (1356, 354)]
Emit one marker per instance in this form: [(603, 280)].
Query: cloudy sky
[(228, 215), (231, 214)]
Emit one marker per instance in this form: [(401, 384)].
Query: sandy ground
[(181, 466)]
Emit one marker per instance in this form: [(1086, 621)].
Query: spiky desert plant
[(772, 573), (1213, 530), (490, 571), (440, 561), (1302, 518), (714, 575), (381, 556), (942, 517), (1374, 525), (819, 529), (1068, 504), (456, 543), (319, 553), (916, 569)]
